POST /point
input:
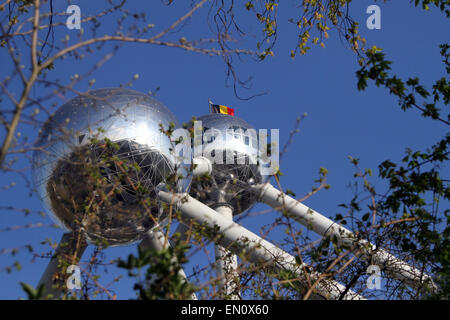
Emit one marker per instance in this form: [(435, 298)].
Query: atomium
[(98, 161), (103, 159), (231, 144)]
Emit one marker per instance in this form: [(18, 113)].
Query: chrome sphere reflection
[(231, 144), (99, 159)]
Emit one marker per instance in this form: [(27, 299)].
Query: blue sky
[(341, 121)]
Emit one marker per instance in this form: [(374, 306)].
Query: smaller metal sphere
[(98, 161), (231, 144)]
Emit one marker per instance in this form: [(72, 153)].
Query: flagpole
[(209, 102)]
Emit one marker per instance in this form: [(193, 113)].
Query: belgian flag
[(217, 108)]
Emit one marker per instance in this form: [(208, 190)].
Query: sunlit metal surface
[(101, 156), (231, 144)]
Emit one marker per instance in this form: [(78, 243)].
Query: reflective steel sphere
[(99, 159), (231, 144)]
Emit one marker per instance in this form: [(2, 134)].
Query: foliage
[(162, 278)]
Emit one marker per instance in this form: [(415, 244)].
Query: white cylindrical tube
[(238, 239), (202, 166), (323, 226), (156, 240), (70, 250), (226, 262)]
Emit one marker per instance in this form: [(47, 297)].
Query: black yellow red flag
[(218, 108)]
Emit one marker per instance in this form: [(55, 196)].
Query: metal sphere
[(98, 161), (231, 144)]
